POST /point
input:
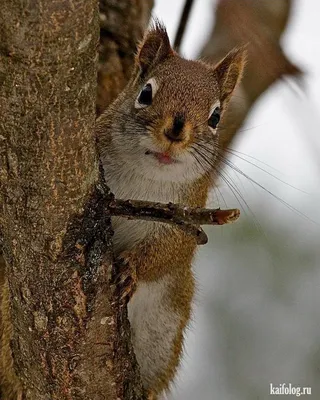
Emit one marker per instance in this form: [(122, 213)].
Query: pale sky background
[(256, 335)]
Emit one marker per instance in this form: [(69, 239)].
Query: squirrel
[(158, 141)]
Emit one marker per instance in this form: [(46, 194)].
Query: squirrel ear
[(154, 48), (229, 71)]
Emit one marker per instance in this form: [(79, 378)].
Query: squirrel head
[(170, 111)]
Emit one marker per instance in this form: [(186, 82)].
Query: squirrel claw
[(126, 279), (127, 292), (151, 396)]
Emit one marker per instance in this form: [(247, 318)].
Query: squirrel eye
[(214, 118), (146, 95)]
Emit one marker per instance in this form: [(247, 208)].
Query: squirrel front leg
[(126, 276), (160, 294)]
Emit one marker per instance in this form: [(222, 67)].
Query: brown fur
[(172, 254), (154, 48), (9, 383), (194, 87)]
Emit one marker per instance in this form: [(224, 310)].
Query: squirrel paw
[(126, 279)]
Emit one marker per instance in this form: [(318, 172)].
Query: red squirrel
[(158, 142)]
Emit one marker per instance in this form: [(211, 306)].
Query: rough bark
[(123, 23), (69, 334)]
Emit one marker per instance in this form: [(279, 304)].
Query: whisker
[(266, 172), (231, 186), (229, 149), (289, 206), (230, 164)]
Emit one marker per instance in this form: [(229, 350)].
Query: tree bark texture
[(123, 23), (70, 336)]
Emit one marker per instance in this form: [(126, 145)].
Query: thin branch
[(186, 218), (182, 24)]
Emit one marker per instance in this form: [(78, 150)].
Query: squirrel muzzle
[(175, 132)]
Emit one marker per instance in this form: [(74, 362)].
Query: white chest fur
[(125, 184), (154, 323), (154, 327)]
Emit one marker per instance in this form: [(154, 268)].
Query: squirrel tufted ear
[(154, 48), (229, 71)]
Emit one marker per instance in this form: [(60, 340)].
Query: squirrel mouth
[(163, 158)]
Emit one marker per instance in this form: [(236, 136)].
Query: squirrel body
[(158, 142), (160, 307)]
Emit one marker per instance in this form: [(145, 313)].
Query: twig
[(182, 24), (186, 218)]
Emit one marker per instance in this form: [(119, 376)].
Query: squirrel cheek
[(188, 130)]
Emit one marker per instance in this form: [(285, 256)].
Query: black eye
[(145, 96), (214, 118)]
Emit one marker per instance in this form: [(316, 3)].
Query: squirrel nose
[(175, 134)]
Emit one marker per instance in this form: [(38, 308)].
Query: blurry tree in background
[(258, 25)]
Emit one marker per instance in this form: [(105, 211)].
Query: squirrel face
[(170, 111), (180, 107)]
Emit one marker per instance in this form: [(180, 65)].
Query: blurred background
[(256, 317)]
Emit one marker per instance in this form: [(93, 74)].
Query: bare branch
[(186, 218), (182, 24)]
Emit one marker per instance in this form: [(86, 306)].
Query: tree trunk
[(70, 336), (123, 23)]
